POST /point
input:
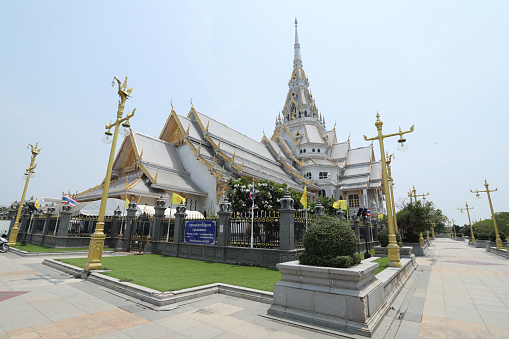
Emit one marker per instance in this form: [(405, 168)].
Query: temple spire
[(297, 61)]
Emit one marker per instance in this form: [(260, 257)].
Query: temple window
[(353, 200)]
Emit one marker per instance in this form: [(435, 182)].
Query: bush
[(476, 234), (383, 237), (330, 242), (493, 236), (483, 236), (410, 236)]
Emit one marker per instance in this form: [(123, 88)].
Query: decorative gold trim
[(221, 192)]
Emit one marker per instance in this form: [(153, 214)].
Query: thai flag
[(69, 200), (251, 195), (368, 213)]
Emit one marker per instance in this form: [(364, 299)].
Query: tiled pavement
[(456, 292)]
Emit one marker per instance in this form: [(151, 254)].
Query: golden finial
[(192, 107), (171, 103), (188, 126), (207, 128), (155, 178), (141, 154), (219, 144)]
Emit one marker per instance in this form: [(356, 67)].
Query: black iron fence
[(84, 226), (265, 231), (39, 225), (168, 229)]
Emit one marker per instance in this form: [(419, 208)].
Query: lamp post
[(454, 229), (469, 221), (498, 240), (391, 182), (95, 249), (29, 173), (392, 247), (433, 224)]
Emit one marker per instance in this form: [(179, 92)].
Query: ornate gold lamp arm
[(487, 191)]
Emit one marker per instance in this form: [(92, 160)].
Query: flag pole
[(252, 216), (169, 221)]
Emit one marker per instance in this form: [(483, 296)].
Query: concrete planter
[(417, 249), (345, 299), (481, 243), (404, 252)]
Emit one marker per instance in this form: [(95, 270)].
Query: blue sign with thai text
[(201, 232)]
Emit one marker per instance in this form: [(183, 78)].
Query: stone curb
[(158, 298), (35, 254)]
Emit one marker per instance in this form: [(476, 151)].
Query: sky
[(441, 66)]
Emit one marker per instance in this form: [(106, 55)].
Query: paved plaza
[(457, 292)]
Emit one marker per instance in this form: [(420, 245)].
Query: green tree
[(415, 218), (326, 203), (267, 195), (486, 225)]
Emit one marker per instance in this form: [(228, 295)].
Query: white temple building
[(195, 155)]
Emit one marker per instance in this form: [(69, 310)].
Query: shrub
[(483, 236), (383, 237), (330, 242), (410, 236), (493, 236)]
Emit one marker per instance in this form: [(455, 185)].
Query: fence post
[(158, 216), (63, 225), (115, 225), (131, 216), (367, 237), (180, 219), (25, 221), (375, 229), (225, 211), (287, 223), (12, 215), (357, 231), (319, 209), (47, 221), (340, 214), (33, 225), (49, 213)]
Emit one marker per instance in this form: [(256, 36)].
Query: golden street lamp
[(391, 182), (29, 173), (392, 247), (469, 221), (95, 250), (454, 229), (498, 240)]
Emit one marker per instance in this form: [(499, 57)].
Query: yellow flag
[(37, 205), (340, 203), (177, 199), (304, 199), (126, 203), (380, 216)]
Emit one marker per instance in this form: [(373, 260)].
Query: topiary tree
[(383, 237), (493, 236), (330, 242)]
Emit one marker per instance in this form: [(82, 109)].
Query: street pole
[(29, 172), (95, 250)]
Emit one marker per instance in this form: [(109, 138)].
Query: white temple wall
[(201, 176)]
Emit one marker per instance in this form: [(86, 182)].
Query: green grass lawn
[(383, 262), (164, 273), (37, 248)]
